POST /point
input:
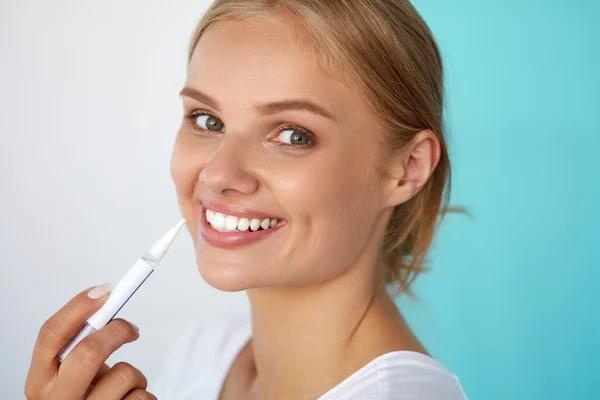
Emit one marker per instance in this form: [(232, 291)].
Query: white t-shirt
[(197, 365)]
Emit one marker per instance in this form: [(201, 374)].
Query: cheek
[(336, 205), (345, 185), (346, 208), (185, 169), (182, 168)]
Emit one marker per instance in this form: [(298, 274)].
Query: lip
[(229, 240), (236, 210)]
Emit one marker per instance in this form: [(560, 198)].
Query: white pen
[(124, 289)]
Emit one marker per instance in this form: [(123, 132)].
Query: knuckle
[(50, 330), (127, 373), (30, 392), (71, 310), (34, 391), (90, 352), (121, 327)]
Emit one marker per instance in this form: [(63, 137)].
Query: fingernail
[(135, 327), (99, 291)]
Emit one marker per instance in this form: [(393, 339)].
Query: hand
[(83, 374)]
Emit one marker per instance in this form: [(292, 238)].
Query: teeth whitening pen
[(124, 289)]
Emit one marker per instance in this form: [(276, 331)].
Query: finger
[(118, 382), (87, 358), (58, 329), (101, 372), (139, 394)]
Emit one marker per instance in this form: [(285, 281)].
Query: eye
[(204, 121), (294, 137), (210, 123)]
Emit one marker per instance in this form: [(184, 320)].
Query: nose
[(228, 170)]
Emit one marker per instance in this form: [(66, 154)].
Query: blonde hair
[(385, 49)]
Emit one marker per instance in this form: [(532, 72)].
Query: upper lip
[(236, 210)]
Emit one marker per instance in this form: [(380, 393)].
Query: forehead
[(266, 59)]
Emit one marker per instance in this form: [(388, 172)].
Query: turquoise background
[(511, 303)]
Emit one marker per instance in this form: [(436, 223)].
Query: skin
[(318, 310), (83, 374)]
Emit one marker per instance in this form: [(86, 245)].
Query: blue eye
[(294, 137)]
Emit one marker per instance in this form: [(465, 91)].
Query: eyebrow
[(264, 109), (201, 97)]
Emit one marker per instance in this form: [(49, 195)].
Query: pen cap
[(160, 248)]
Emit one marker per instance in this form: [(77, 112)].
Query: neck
[(297, 350)]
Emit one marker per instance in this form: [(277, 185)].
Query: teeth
[(218, 221), (266, 223), (230, 223), (244, 224), (255, 224)]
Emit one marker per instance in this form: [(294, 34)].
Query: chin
[(225, 282), (229, 273)]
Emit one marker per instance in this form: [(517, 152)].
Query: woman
[(311, 168)]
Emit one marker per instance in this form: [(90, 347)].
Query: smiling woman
[(311, 169)]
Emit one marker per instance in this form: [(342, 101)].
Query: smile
[(230, 231), (230, 223)]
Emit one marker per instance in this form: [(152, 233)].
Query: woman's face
[(269, 139)]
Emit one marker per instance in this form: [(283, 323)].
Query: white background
[(89, 109)]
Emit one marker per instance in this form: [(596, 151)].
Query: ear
[(412, 168)]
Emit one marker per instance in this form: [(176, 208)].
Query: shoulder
[(198, 357), (409, 375), (401, 375)]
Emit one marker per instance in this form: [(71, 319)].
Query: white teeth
[(209, 215), (230, 223), (218, 221), (244, 224), (255, 224), (266, 223)]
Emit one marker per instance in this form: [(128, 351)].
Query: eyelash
[(195, 114)]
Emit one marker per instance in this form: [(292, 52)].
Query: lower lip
[(233, 239)]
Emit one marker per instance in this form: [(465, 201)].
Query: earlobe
[(414, 167)]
